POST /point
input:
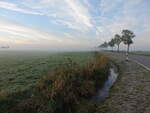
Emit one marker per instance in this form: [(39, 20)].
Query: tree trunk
[(128, 48), (112, 49), (118, 48)]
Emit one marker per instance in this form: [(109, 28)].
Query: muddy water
[(104, 91)]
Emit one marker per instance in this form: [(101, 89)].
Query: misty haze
[(74, 56)]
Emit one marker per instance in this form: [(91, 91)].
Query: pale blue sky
[(72, 24)]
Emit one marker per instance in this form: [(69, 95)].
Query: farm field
[(144, 53), (35, 82), (20, 70)]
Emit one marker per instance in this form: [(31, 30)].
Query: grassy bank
[(67, 90)]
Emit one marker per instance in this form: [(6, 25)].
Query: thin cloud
[(77, 22), (72, 13), (26, 35), (14, 7)]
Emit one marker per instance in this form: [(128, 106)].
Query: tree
[(104, 45), (112, 43), (118, 40), (127, 37)]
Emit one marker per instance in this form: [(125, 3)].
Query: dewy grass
[(21, 70), (66, 90)]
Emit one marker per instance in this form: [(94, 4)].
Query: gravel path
[(131, 92)]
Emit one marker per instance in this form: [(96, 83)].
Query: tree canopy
[(118, 39), (127, 36), (112, 43), (104, 45)]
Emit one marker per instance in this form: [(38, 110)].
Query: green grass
[(67, 89), (20, 70), (144, 53)]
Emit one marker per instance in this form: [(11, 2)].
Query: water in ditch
[(103, 93)]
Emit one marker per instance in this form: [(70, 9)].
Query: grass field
[(20, 70), (42, 82), (145, 53)]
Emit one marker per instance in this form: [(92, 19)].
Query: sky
[(72, 24)]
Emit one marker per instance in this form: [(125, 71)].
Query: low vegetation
[(69, 89)]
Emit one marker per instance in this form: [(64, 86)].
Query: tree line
[(126, 37)]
